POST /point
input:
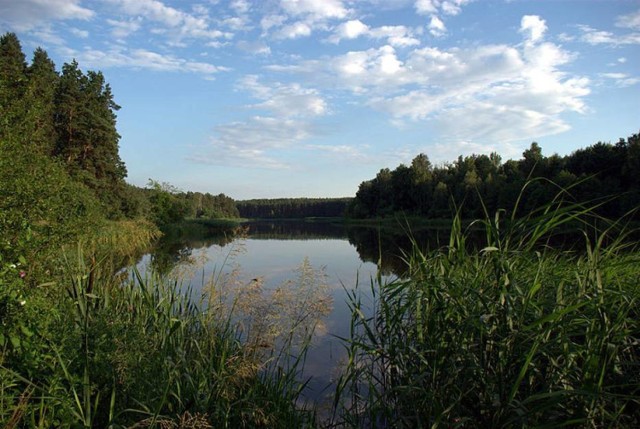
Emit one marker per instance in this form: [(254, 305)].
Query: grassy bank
[(96, 350), (511, 333)]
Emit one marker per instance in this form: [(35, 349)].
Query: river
[(270, 255)]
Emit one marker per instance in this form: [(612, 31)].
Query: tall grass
[(509, 333), (140, 354)]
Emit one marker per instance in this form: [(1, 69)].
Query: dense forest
[(290, 208), (474, 183)]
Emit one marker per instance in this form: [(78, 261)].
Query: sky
[(309, 98)]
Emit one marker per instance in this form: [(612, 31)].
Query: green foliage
[(166, 205), (69, 116), (138, 353), (477, 182), (209, 206), (292, 208), (510, 333), (41, 208)]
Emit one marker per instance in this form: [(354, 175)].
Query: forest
[(292, 208), (603, 173)]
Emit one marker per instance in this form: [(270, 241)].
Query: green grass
[(512, 333), (94, 352)]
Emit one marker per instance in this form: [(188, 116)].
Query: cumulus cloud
[(471, 92), (447, 7), (436, 27), (350, 30), (436, 9), (295, 30), (181, 24), (284, 100), (300, 18), (395, 35), (24, 15), (533, 27), (318, 10)]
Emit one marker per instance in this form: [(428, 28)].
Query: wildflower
[(23, 302), (23, 274)]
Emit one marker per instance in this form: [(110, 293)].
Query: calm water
[(272, 252)]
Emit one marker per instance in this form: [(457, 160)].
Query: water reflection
[(387, 249), (266, 255)]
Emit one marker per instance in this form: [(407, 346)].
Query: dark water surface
[(272, 251)]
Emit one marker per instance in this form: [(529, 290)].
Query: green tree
[(166, 205), (13, 83), (401, 186), (87, 135), (40, 101)]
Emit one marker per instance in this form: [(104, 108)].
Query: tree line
[(603, 174), (292, 208)]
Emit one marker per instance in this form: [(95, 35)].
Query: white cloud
[(270, 21), (290, 110), (395, 35), (470, 93), (254, 142), (123, 29), (300, 18), (453, 7), (240, 6), (533, 27), (593, 36), (24, 15), (631, 20), (447, 7), (285, 100), (426, 7), (295, 30), (621, 80), (437, 8), (254, 47), (82, 34), (436, 27), (350, 30), (180, 23), (143, 59), (318, 10)]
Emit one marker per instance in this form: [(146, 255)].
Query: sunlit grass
[(145, 354), (510, 333)]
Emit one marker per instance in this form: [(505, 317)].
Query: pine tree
[(13, 81), (40, 101), (70, 116)]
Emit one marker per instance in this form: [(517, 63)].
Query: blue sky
[(288, 98)]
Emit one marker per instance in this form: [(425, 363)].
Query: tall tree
[(87, 135), (70, 117), (13, 82), (40, 100)]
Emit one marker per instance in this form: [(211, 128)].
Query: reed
[(509, 333), (140, 354)]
